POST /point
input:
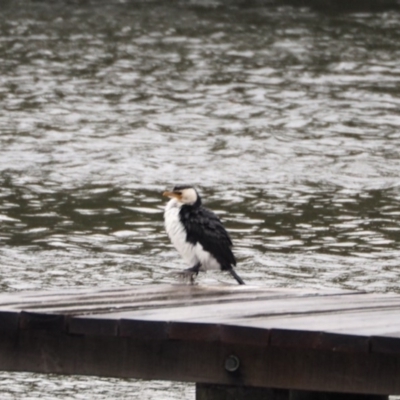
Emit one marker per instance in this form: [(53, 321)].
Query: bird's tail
[(236, 276)]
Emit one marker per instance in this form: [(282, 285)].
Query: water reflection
[(286, 119)]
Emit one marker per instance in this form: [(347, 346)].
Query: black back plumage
[(204, 227)]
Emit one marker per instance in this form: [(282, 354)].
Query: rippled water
[(286, 119)]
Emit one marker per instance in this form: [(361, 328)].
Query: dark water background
[(287, 120)]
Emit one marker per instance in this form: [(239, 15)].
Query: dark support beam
[(208, 362), (225, 392), (307, 395)]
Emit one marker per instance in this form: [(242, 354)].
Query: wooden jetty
[(234, 342)]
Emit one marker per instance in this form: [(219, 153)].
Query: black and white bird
[(197, 233)]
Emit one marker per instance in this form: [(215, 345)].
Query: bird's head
[(184, 194)]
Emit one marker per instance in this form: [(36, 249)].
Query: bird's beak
[(172, 195)]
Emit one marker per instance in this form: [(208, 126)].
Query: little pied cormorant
[(197, 233)]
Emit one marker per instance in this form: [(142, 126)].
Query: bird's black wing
[(204, 227)]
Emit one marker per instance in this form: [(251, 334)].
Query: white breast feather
[(177, 234), (192, 254), (206, 259)]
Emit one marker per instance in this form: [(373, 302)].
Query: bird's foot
[(187, 276)]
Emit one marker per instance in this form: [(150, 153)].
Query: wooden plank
[(193, 332), (93, 326), (259, 308), (143, 330), (290, 339), (309, 395), (319, 341), (386, 344), (225, 392), (244, 335), (327, 318), (373, 322), (149, 292), (197, 361), (155, 291), (226, 333), (331, 314), (159, 330), (80, 306), (39, 321), (9, 321), (154, 298)]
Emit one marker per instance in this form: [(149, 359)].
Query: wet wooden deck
[(330, 341)]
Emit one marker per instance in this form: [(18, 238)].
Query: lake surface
[(287, 120)]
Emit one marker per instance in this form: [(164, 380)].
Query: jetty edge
[(234, 342)]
